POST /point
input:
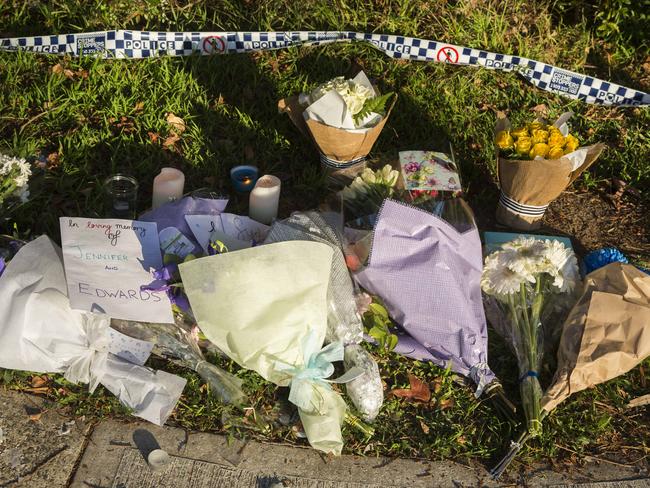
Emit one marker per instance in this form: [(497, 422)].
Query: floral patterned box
[(429, 170)]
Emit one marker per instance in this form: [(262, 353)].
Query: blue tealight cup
[(243, 178)]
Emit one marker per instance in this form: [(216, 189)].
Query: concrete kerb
[(42, 448)]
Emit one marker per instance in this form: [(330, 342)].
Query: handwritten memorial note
[(107, 261), (234, 231)]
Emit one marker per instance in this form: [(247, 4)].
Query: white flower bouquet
[(343, 116), (523, 282), (14, 175), (367, 192)]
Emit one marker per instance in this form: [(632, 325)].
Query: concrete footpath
[(41, 448)]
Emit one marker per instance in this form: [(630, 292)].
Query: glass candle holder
[(243, 178), (120, 197)]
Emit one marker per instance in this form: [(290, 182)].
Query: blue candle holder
[(243, 178)]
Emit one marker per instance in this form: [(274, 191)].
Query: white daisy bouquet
[(14, 175), (523, 282)]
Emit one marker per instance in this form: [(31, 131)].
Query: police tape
[(144, 44)]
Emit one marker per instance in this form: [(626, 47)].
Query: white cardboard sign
[(107, 261)]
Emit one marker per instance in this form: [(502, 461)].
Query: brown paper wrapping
[(337, 144), (535, 182), (606, 334)]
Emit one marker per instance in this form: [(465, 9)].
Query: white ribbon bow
[(90, 366)]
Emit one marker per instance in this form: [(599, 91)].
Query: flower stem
[(357, 423)]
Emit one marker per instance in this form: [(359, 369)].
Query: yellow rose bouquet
[(536, 163)]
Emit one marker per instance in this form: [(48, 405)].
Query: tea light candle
[(167, 186), (243, 178), (264, 199)]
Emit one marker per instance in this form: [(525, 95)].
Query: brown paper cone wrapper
[(337, 145), (528, 187), (606, 334)]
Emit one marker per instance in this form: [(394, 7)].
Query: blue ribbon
[(315, 370), (529, 374)]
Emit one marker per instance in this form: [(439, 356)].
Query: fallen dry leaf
[(424, 427), (39, 381), (153, 137), (57, 69), (639, 401), (139, 107), (171, 140), (176, 122), (446, 403), (35, 417), (437, 384), (41, 390), (53, 160), (418, 391), (540, 109)]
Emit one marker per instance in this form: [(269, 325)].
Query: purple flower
[(166, 273), (412, 167), (164, 279)]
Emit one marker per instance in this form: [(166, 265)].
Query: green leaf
[(378, 310), (377, 105), (377, 333), (391, 342)]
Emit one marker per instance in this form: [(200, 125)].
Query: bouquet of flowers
[(427, 272), (343, 320), (536, 163), (344, 117), (604, 336), (366, 193), (39, 331), (266, 308), (14, 175), (522, 281)]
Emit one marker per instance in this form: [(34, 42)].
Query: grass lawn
[(86, 119)]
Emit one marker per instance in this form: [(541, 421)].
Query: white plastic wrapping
[(40, 332)]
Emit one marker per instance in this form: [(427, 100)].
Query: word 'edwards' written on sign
[(106, 263)]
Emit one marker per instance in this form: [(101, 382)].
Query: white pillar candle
[(167, 186), (264, 199)]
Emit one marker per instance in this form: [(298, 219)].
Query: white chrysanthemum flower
[(562, 265), (498, 278), (16, 168)]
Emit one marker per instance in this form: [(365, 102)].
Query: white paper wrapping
[(40, 332), (332, 110)]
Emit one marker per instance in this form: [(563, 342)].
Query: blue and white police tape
[(144, 44)]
